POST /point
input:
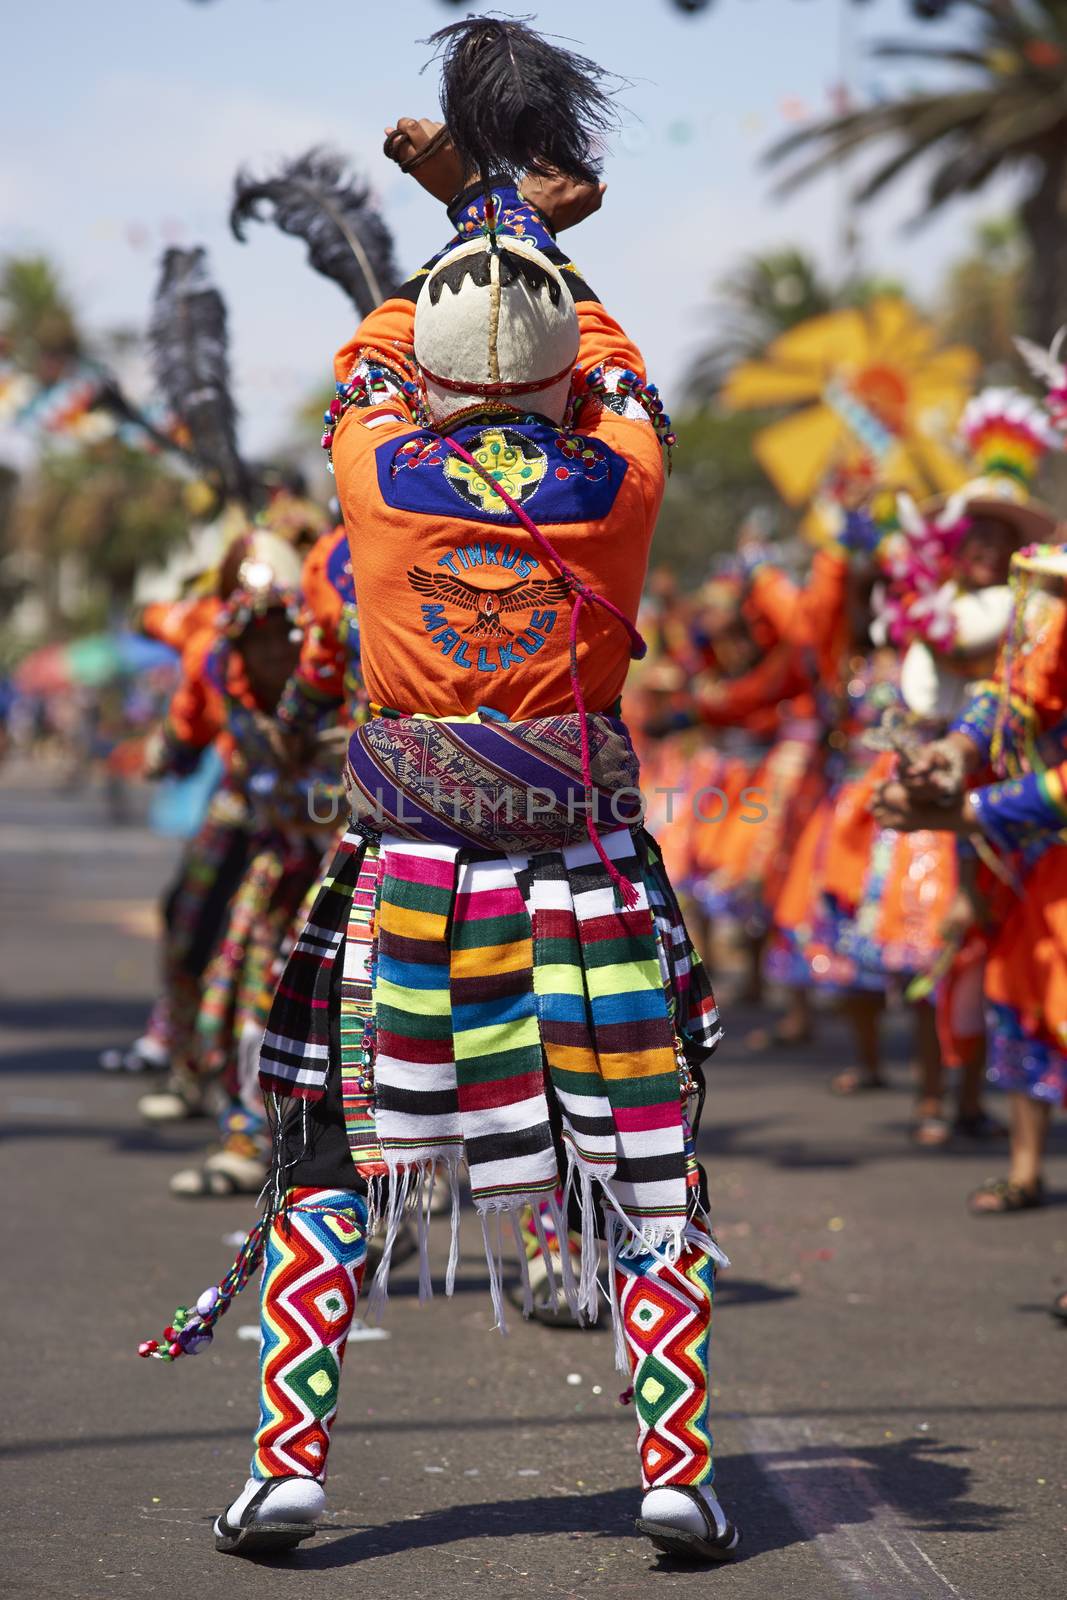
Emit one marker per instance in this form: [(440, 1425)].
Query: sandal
[(853, 1082), (931, 1133), (1005, 1196), (686, 1544), (254, 1535)]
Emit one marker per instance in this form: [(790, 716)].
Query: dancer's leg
[(312, 1274), (665, 1311)]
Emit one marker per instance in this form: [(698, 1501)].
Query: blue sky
[(122, 122)]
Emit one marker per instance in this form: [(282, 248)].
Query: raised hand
[(422, 148), (564, 201)]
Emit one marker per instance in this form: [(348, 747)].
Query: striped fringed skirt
[(475, 989)]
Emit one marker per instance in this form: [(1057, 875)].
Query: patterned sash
[(491, 785)]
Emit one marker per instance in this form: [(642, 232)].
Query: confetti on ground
[(574, 1378), (835, 1224), (249, 1330)]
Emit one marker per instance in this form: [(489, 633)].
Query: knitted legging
[(312, 1274), (666, 1321), (312, 1277)]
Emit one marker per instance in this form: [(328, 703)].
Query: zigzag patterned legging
[(666, 1321), (313, 1273)]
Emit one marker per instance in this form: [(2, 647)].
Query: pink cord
[(580, 594)]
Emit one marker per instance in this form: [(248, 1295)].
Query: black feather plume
[(318, 200), (190, 355), (515, 103)]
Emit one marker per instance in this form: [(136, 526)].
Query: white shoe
[(169, 1105), (270, 1515), (689, 1522), (224, 1173)]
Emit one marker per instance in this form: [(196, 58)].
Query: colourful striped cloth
[(472, 989)]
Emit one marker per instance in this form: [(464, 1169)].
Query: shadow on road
[(913, 1476)]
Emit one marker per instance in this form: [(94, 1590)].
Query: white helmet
[(496, 326)]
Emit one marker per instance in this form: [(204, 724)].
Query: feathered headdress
[(514, 103), (316, 198), (190, 355), (1008, 435), (1047, 365)]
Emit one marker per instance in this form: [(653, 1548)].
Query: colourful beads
[(365, 388), (630, 386)]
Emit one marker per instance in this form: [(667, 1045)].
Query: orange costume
[(327, 676), (174, 622), (859, 903), (451, 624), (1020, 724)]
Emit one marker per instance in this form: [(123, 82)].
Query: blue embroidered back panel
[(339, 572), (557, 477)]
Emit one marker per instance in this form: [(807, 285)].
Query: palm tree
[(112, 508), (38, 328), (1008, 113)]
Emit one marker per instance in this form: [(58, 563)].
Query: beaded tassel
[(193, 1329)]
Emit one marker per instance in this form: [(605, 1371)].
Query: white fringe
[(524, 1266), (453, 1247), (588, 1288), (411, 1188), (426, 1186), (546, 1254), (496, 1290), (566, 1266)]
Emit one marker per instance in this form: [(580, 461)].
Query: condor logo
[(495, 643)]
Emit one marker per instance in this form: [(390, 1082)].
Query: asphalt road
[(891, 1390)]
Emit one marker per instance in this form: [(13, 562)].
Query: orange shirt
[(457, 607), (196, 713), (813, 618), (174, 622), (753, 700), (321, 671)]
